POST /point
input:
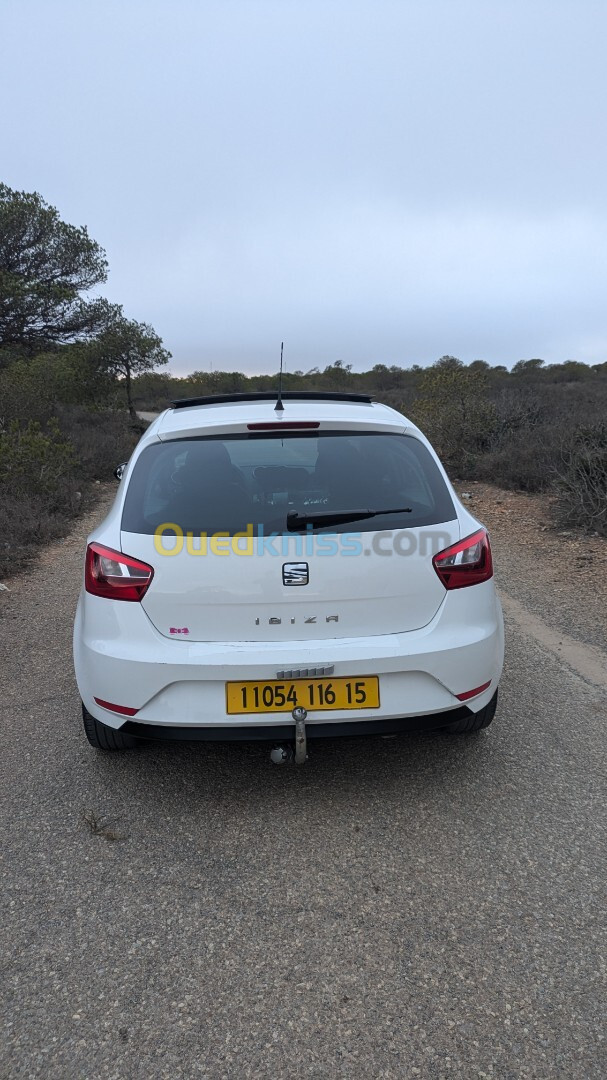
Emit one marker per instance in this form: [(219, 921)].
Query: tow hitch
[(285, 753)]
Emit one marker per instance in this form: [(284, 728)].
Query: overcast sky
[(376, 181)]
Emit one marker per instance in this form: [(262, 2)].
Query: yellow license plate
[(313, 694)]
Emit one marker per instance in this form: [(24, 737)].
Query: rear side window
[(224, 484)]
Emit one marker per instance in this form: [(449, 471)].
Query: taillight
[(466, 563), (114, 575)]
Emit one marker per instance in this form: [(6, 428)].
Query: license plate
[(318, 695)]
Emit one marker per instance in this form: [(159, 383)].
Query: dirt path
[(560, 576)]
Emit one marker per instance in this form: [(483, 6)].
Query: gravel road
[(428, 907)]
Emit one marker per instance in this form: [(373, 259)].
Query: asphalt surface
[(427, 907)]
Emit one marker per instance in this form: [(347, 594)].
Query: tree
[(127, 348), (570, 371), (528, 367), (45, 266), (454, 411), (381, 377), (336, 375), (31, 389), (448, 363)]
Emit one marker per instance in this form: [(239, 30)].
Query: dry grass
[(98, 826)]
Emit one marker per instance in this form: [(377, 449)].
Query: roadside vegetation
[(75, 371), (536, 428), (66, 365)]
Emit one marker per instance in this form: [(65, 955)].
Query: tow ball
[(285, 753)]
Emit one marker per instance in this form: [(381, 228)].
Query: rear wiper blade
[(335, 517)]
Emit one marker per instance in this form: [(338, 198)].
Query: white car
[(284, 570)]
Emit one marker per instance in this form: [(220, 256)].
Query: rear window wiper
[(334, 517)]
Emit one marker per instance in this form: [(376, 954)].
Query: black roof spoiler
[(271, 395)]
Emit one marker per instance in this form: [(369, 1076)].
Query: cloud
[(367, 181), (369, 281)]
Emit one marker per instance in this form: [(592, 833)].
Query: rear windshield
[(224, 484)]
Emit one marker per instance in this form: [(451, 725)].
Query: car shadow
[(339, 773)]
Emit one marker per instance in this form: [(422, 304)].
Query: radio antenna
[(279, 407)]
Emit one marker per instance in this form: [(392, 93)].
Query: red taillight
[(466, 563), (116, 576)]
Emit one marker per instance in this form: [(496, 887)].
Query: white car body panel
[(222, 597), (119, 652), (395, 618)]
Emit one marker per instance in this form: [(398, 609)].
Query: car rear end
[(257, 562)]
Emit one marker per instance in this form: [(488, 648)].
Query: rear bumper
[(405, 725), (120, 658)]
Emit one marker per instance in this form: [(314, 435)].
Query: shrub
[(39, 463), (454, 411), (44, 475), (522, 459), (101, 440), (37, 489), (581, 479), (25, 524), (31, 389)]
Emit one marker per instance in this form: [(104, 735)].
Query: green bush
[(38, 489), (46, 472), (31, 389), (455, 413), (39, 463)]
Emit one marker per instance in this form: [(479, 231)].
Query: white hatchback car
[(285, 570)]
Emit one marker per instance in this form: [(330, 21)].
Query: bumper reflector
[(473, 693), (124, 710)]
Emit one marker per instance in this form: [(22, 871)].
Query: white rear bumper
[(120, 658)]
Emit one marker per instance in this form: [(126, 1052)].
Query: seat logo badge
[(295, 573)]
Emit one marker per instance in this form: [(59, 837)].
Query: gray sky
[(371, 180)]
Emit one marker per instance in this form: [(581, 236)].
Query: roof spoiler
[(270, 395)]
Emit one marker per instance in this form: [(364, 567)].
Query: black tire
[(105, 738), (475, 722)]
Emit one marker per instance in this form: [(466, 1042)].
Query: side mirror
[(119, 470)]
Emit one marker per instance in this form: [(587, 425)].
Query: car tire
[(476, 722), (105, 738)]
